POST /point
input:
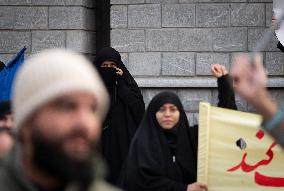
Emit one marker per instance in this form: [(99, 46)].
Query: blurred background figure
[(6, 127), (250, 82), (2, 65)]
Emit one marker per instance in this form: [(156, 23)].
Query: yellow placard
[(235, 154)]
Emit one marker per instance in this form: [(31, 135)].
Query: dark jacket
[(12, 177)]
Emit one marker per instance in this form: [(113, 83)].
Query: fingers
[(197, 187), (218, 70), (119, 71)]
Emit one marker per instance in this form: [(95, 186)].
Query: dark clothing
[(5, 108), (2, 66), (164, 160), (12, 177), (280, 46), (226, 94), (125, 113)]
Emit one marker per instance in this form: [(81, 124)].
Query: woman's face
[(108, 64), (168, 116)]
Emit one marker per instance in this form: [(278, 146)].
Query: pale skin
[(168, 116), (6, 140), (55, 120), (111, 64), (6, 143), (250, 82), (6, 121), (218, 70)]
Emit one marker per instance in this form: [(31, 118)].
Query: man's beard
[(50, 157)]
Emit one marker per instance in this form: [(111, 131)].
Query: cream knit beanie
[(50, 74)]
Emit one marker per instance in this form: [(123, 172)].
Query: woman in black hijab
[(125, 113), (163, 152)]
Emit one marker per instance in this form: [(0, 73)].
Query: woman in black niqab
[(125, 113), (161, 159)]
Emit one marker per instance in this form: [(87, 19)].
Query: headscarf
[(150, 164), (110, 54), (125, 113)]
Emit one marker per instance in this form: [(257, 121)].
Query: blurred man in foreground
[(59, 103)]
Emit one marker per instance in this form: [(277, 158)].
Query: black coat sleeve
[(280, 46), (226, 94), (130, 98)]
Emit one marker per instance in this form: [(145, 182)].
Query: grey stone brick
[(90, 19), (67, 18), (87, 3), (145, 16), (145, 64), (230, 39), (241, 104), (127, 1), (238, 1), (162, 1), (30, 18), (178, 15), (148, 94), (47, 39), (6, 17), (5, 57), (210, 1), (269, 8), (191, 98), (118, 16), (212, 15), (247, 14), (276, 82), (195, 39), (274, 63), (254, 36), (161, 40), (12, 41), (81, 41), (23, 17), (205, 60), (277, 95), (125, 59), (128, 40), (260, 1), (176, 82), (178, 64), (90, 57), (192, 118), (15, 2)]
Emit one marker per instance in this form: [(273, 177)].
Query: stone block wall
[(166, 44), (170, 44), (41, 24)]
